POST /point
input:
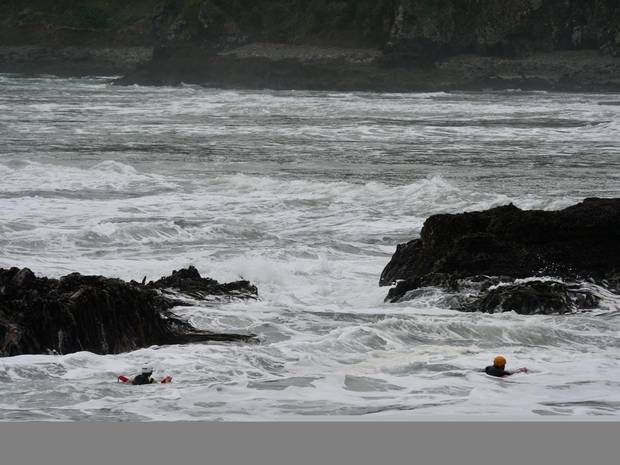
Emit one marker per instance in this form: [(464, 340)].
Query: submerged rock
[(93, 313), (506, 243)]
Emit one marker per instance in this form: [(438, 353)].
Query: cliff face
[(405, 29), (211, 23), (504, 28)]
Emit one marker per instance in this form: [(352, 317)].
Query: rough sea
[(305, 194)]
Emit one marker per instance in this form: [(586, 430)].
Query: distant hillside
[(406, 29)]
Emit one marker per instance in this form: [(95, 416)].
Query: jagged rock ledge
[(484, 253), (101, 315), (189, 282)]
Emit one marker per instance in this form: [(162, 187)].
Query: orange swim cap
[(499, 361)]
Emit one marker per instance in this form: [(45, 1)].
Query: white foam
[(32, 178), (306, 194)]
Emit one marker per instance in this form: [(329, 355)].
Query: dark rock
[(24, 279), (567, 71), (189, 282), (506, 243), (533, 297), (581, 240), (93, 313), (497, 27), (78, 60)]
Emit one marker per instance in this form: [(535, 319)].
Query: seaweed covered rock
[(93, 313), (506, 243)]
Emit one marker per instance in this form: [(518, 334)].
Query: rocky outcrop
[(93, 313), (189, 282), (530, 298), (422, 29), (506, 243)]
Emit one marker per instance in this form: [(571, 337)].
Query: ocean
[(306, 195)]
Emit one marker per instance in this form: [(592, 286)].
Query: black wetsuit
[(143, 379), (497, 371)]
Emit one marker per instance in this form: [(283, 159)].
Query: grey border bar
[(300, 443)]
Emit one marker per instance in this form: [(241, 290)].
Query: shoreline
[(289, 67), (72, 61)]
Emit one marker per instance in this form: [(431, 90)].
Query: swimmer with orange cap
[(498, 368)]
